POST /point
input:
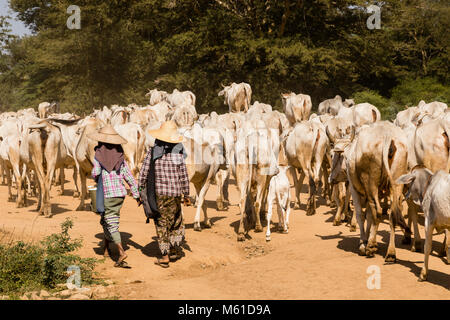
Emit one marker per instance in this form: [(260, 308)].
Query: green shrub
[(58, 247), (410, 92), (26, 266), (20, 267)]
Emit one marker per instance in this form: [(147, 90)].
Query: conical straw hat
[(107, 134), (168, 133)]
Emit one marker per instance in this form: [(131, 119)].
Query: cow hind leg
[(84, 193), (447, 246), (269, 217), (339, 200), (221, 179), (412, 219), (445, 252), (359, 218), (259, 207), (9, 181), (201, 206), (390, 254), (427, 250), (311, 208), (372, 240), (241, 229), (76, 193), (197, 226), (61, 179), (298, 183)]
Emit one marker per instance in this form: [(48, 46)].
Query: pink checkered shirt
[(171, 176), (113, 183)]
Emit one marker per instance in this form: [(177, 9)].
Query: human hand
[(139, 201)]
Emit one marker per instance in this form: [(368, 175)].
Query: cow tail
[(374, 116), (248, 97), (389, 151), (316, 138), (250, 195), (446, 134), (137, 154), (387, 145)]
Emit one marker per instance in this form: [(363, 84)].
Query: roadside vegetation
[(27, 266)]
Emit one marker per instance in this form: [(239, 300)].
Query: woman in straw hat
[(164, 180), (110, 169)]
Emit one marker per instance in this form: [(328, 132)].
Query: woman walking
[(110, 169), (165, 180)]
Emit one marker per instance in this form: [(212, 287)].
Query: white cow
[(365, 113), (297, 107), (156, 96), (331, 106), (435, 108), (180, 98), (432, 192), (305, 149), (46, 108), (237, 96), (163, 110), (204, 158), (134, 149)]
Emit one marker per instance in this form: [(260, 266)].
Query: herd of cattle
[(345, 152)]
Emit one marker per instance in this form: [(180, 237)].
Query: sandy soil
[(316, 260)]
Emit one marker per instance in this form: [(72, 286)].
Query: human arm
[(96, 170), (184, 179), (142, 180), (128, 177)]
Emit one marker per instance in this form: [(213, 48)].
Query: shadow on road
[(434, 277), (351, 244)]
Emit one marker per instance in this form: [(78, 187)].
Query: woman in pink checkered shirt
[(110, 169)]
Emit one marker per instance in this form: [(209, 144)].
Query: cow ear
[(406, 179)]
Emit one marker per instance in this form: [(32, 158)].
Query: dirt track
[(314, 261)]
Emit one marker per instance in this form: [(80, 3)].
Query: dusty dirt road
[(316, 260)]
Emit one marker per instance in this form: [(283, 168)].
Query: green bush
[(26, 266), (20, 267), (410, 92)]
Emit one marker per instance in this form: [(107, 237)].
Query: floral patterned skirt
[(169, 225)]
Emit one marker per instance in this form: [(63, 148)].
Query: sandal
[(122, 264), (173, 255), (161, 263)]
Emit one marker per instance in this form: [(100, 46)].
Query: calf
[(279, 193), (432, 192)]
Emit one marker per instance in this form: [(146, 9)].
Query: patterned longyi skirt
[(169, 225)]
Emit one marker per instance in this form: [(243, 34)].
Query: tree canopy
[(321, 48)]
